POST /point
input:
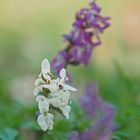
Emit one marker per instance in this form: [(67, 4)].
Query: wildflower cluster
[(51, 94), (54, 94), (84, 36)]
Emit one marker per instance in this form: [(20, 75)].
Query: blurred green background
[(31, 30)]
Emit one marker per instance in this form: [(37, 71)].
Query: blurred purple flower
[(91, 101), (83, 37), (101, 112), (95, 134), (74, 135), (60, 61)]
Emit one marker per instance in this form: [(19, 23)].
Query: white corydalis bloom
[(45, 121), (56, 85), (63, 76), (63, 79), (45, 73), (61, 99), (43, 103), (51, 93), (66, 109), (45, 69)]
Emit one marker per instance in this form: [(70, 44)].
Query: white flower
[(65, 110), (58, 96), (45, 66), (61, 99), (43, 103), (69, 88), (45, 69), (63, 76), (52, 87), (63, 79), (57, 85), (37, 90), (45, 75), (45, 121), (39, 81)]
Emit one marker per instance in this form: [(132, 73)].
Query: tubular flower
[(83, 37), (51, 94)]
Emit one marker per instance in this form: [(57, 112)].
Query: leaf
[(8, 134)]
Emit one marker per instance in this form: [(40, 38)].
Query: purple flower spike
[(83, 37), (101, 112)]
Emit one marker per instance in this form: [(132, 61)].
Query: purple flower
[(95, 7), (74, 135), (84, 36), (91, 101), (60, 61), (95, 134), (101, 112), (87, 26)]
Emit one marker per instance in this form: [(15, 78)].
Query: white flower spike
[(52, 94)]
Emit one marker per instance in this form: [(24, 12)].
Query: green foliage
[(63, 127), (8, 134), (120, 89), (20, 55)]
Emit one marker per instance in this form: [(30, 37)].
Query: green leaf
[(8, 134)]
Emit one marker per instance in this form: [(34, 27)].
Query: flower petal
[(38, 82), (42, 123), (43, 103), (46, 76), (62, 99), (62, 74), (45, 66), (37, 90), (50, 120), (66, 110), (52, 88), (69, 88), (45, 122)]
